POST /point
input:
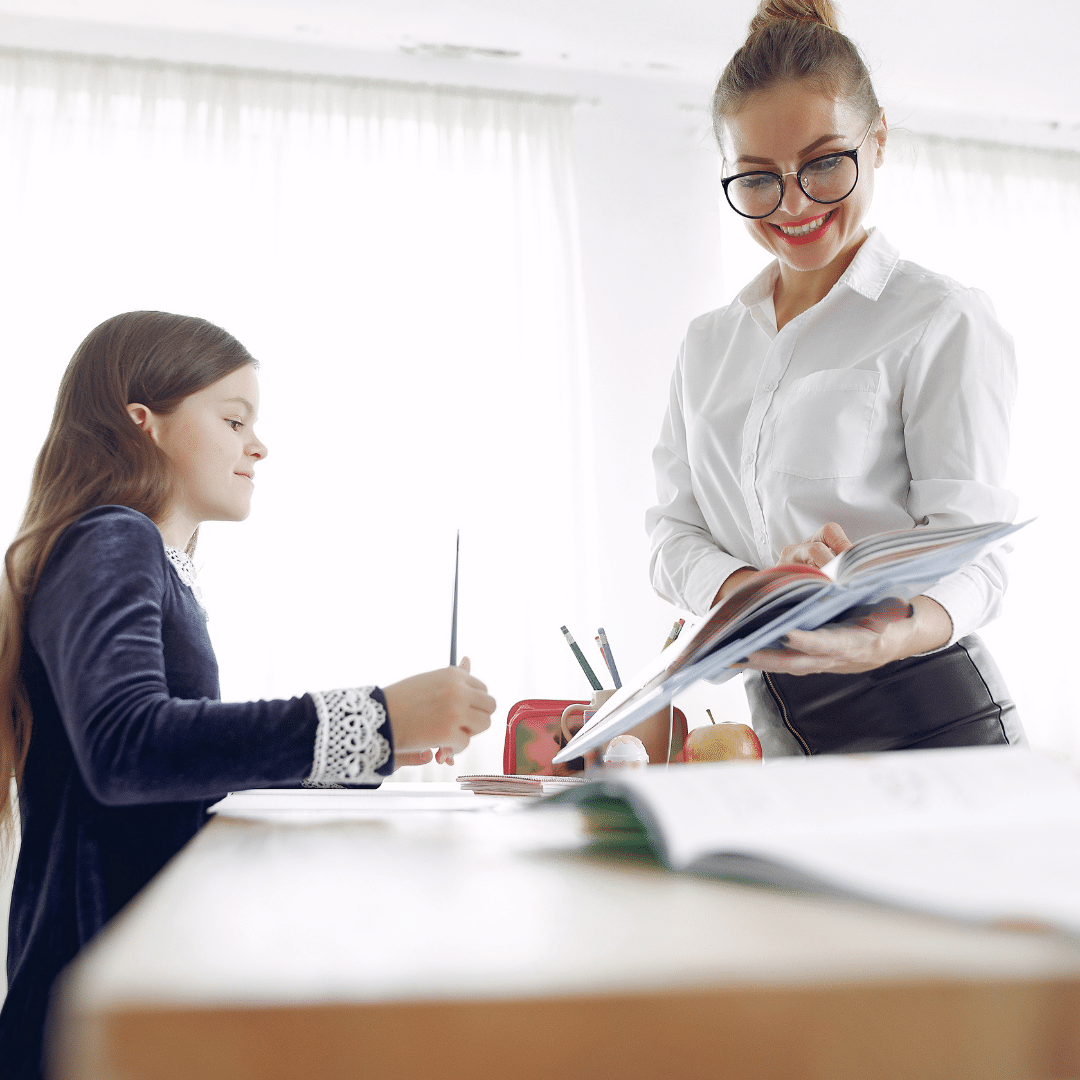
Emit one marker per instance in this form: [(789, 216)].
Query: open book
[(772, 602), (981, 833)]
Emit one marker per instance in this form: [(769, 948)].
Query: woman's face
[(779, 130), (211, 444)]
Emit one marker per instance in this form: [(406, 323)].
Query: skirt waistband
[(954, 697)]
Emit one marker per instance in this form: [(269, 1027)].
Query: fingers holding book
[(871, 636), (821, 548)]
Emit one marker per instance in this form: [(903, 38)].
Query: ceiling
[(996, 59)]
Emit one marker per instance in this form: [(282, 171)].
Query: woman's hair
[(792, 40), (96, 455)]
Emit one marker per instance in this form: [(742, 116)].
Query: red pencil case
[(532, 728), (533, 736)]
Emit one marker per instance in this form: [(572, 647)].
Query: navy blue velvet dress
[(130, 745)]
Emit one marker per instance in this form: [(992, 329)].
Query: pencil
[(453, 620), (676, 630), (594, 682), (609, 659)]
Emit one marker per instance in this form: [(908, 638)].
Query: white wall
[(651, 254)]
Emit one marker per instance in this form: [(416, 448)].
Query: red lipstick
[(810, 237)]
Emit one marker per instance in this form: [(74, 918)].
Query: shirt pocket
[(824, 424)]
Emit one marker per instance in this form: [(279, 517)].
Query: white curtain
[(1004, 219), (1007, 220), (402, 261)]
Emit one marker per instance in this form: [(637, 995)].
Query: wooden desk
[(488, 945)]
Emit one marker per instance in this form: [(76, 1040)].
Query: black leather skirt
[(955, 697)]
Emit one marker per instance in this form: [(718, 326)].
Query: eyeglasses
[(828, 179)]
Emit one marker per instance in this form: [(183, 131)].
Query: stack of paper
[(534, 785)]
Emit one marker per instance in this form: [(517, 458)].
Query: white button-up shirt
[(884, 406)]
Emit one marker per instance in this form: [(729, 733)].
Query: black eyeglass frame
[(853, 154)]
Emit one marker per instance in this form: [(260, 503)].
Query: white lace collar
[(187, 573)]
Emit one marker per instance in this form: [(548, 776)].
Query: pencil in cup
[(594, 682), (609, 659), (676, 630)]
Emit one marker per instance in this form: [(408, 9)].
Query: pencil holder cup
[(575, 717), (661, 736)]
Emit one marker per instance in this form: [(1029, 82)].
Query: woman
[(109, 712), (845, 392)]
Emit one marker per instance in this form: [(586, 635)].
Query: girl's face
[(210, 441), (779, 130)]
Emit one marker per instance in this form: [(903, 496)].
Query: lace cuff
[(353, 742)]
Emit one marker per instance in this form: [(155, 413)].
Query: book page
[(1018, 872), (979, 833), (701, 809), (929, 554)]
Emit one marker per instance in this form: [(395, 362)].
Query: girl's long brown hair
[(95, 455)]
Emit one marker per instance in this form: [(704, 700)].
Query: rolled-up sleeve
[(957, 402)]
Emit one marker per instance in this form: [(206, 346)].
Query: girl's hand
[(894, 630), (444, 756), (411, 757), (828, 542), (443, 708)]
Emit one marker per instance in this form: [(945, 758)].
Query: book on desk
[(988, 834)]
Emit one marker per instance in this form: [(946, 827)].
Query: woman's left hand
[(893, 630)]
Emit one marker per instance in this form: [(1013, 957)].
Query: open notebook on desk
[(990, 834)]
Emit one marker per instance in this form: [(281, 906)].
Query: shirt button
[(748, 460), (769, 387)]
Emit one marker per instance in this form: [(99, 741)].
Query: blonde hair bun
[(791, 41), (811, 11)]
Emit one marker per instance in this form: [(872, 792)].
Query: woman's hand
[(443, 709), (892, 630), (878, 637), (828, 542)]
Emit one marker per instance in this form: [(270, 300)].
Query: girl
[(109, 713), (844, 392)]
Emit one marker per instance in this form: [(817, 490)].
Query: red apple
[(722, 742)]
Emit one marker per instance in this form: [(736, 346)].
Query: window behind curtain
[(402, 261)]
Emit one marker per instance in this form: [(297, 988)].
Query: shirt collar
[(761, 287), (867, 275), (872, 266)]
